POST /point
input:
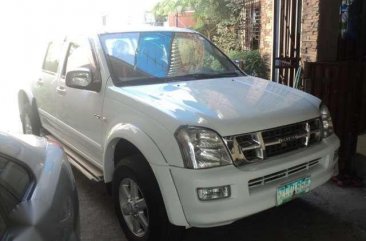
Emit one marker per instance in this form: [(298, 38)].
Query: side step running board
[(89, 170)]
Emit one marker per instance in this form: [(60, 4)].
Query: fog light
[(213, 193)]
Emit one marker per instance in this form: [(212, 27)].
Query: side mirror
[(239, 63), (80, 78)]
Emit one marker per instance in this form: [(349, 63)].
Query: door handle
[(40, 81), (61, 90)]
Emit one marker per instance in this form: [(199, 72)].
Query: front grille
[(280, 149), (282, 174), (252, 147)]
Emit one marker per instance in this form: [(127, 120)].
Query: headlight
[(326, 121), (202, 148)]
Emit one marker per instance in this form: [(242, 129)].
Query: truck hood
[(228, 105)]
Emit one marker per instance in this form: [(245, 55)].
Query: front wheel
[(133, 207), (139, 205)]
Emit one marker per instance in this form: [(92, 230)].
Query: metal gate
[(286, 42), (342, 86)]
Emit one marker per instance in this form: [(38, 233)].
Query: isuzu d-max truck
[(181, 136)]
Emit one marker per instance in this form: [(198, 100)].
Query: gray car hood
[(25, 148), (42, 216)]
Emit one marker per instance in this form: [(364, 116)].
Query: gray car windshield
[(152, 57)]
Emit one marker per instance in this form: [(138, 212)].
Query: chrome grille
[(282, 174), (252, 147)]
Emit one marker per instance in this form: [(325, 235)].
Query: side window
[(52, 58), (80, 55), (14, 182)]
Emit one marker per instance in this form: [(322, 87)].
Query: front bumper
[(245, 201)]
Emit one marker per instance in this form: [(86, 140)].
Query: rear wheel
[(30, 121), (139, 204)]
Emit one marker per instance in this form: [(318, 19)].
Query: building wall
[(319, 29), (181, 20), (309, 34), (266, 39), (266, 27), (309, 30)]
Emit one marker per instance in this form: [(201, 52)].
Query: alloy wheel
[(133, 207)]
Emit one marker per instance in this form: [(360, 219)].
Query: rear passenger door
[(79, 110), (44, 86)]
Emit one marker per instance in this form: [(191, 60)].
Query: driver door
[(80, 108)]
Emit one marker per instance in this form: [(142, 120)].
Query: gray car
[(38, 196)]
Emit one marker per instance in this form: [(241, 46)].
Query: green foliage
[(236, 55), (212, 63), (163, 8), (254, 63), (219, 21), (226, 38), (208, 13)]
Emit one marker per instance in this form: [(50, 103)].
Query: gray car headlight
[(202, 148), (326, 121)]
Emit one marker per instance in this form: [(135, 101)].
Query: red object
[(182, 20)]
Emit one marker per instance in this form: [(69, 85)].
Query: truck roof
[(144, 28), (122, 29)]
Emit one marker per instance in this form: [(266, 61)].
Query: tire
[(152, 222), (30, 121)]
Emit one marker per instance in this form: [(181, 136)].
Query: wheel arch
[(133, 140), (130, 140)]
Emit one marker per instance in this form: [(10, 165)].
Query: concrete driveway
[(329, 213)]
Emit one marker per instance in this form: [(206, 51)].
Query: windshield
[(153, 57)]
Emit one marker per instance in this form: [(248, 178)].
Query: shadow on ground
[(309, 218), (297, 220)]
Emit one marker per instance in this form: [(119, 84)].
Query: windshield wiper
[(188, 77), (197, 76)]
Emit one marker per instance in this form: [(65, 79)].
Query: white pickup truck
[(179, 133)]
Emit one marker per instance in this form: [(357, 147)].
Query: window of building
[(251, 22)]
